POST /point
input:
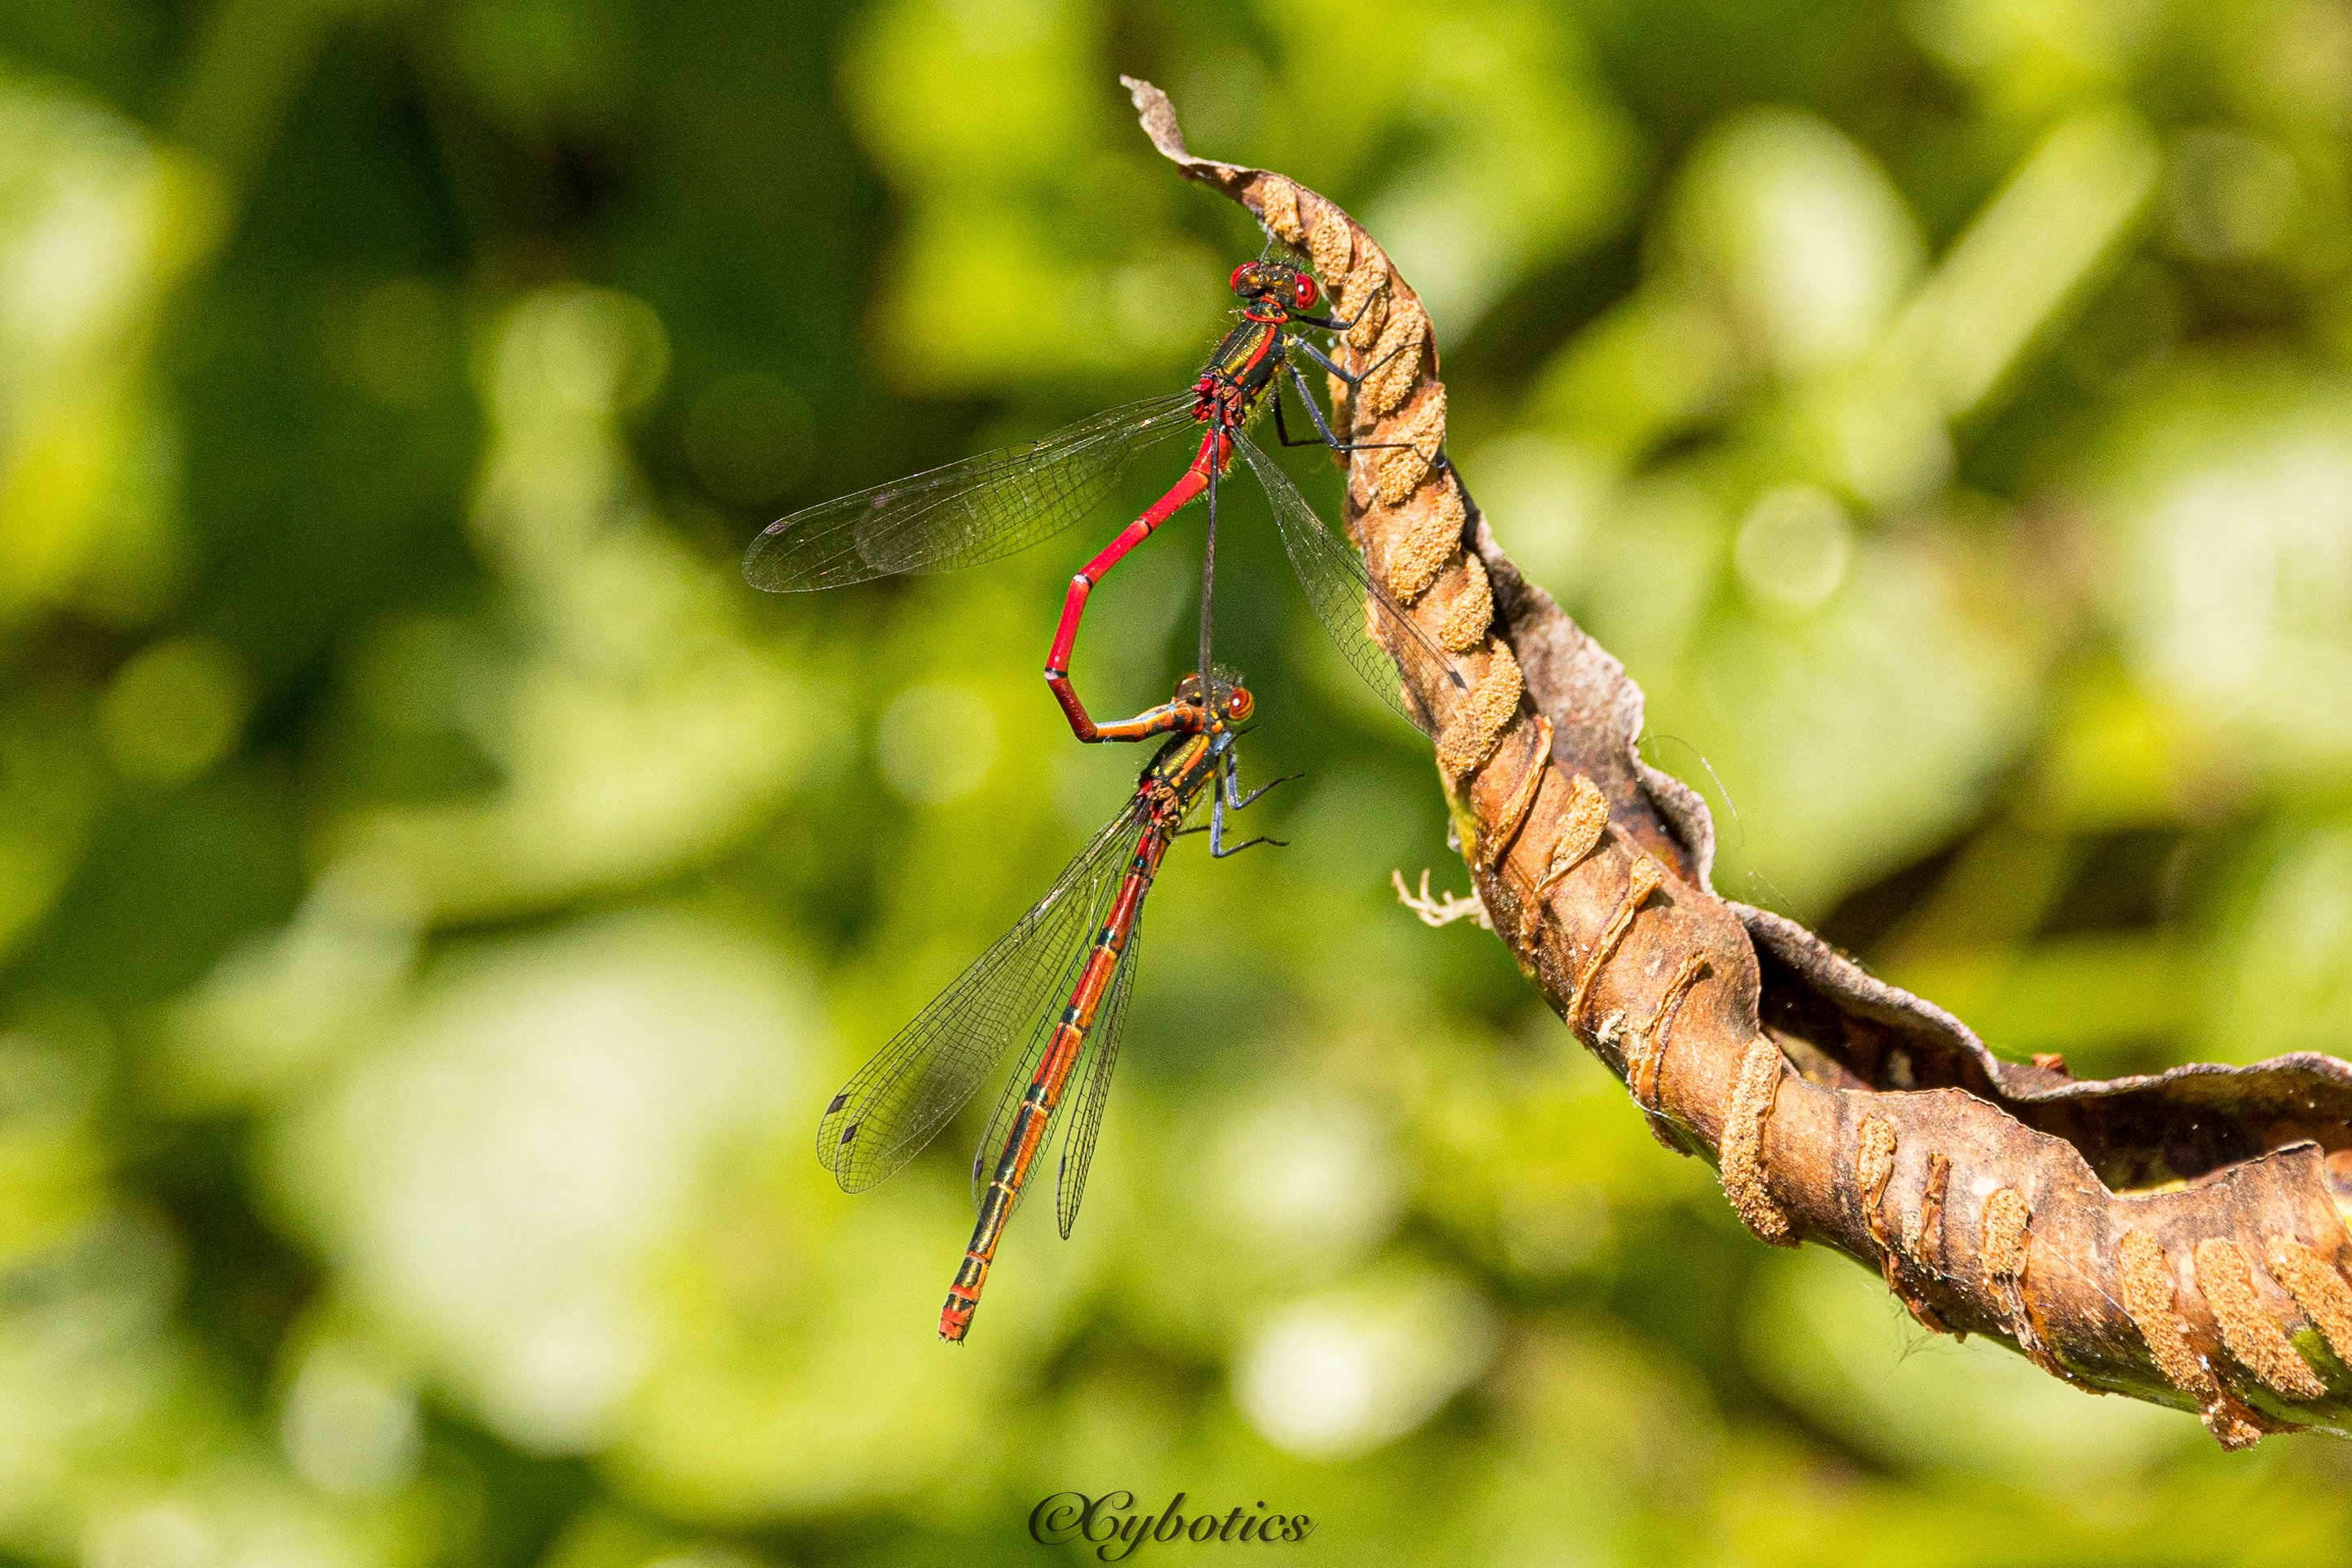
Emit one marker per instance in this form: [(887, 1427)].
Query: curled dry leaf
[(2178, 1239)]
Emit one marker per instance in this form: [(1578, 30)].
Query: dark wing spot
[(838, 1102), (849, 1131)]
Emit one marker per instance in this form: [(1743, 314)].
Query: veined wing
[(1344, 597), (1093, 1089), (1007, 1000), (1015, 1091), (965, 513)]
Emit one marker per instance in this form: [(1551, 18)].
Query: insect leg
[(1323, 427), (1332, 324), (1282, 431), (1218, 849), (1229, 782), (1320, 358)]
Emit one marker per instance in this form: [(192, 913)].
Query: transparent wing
[(965, 513), (1008, 998), (1009, 1099), (1093, 1090), (1015, 1088), (1352, 606)]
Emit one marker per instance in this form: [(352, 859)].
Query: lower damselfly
[(1053, 991), (988, 506)]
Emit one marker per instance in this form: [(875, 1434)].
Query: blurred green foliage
[(436, 898)]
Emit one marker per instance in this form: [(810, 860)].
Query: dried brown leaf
[(1841, 1110)]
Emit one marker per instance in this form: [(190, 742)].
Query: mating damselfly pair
[(1077, 946)]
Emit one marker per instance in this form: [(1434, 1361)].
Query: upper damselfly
[(1054, 989), (991, 505)]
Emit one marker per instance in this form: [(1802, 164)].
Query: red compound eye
[(1239, 703), (1239, 282), (1303, 292)]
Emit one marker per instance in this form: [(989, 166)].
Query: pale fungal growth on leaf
[(1874, 1168), (1481, 719), (1581, 830), (2002, 1249), (1331, 244), (2147, 1287), (2319, 1291), (2123, 1226), (1427, 548), (2252, 1336), (1743, 1144), (1395, 356), (1281, 213), (1409, 454), (1463, 627), (2151, 1295), (1363, 304)]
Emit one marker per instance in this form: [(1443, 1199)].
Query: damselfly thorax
[(1238, 372)]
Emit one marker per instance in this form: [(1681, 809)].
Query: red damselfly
[(1052, 988), (991, 505)]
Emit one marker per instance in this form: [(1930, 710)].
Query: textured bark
[(2177, 1238)]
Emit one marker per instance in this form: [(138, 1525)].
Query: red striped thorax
[(1241, 367)]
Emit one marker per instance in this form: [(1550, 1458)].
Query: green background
[(437, 897)]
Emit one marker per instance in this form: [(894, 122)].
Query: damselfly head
[(1286, 284), (1230, 700)]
